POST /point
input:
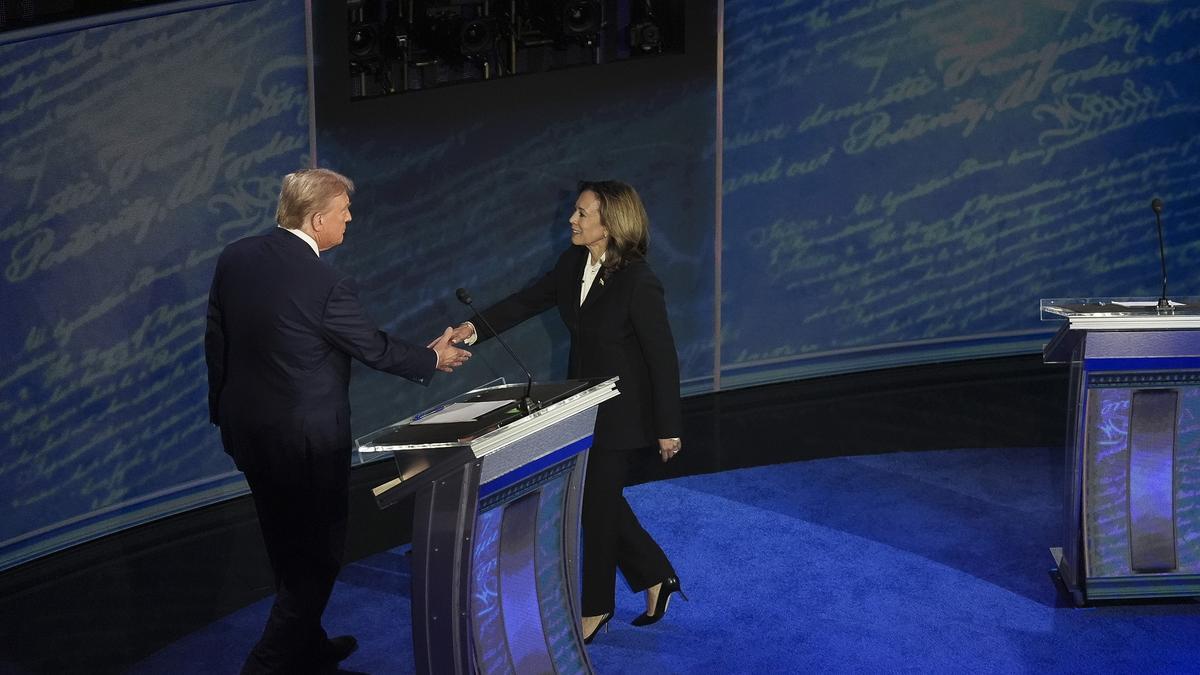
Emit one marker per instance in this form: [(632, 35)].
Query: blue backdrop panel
[(130, 154), (904, 180)]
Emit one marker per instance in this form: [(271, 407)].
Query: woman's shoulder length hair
[(622, 212)]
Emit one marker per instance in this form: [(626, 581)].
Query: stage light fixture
[(364, 40), (477, 36), (453, 37), (409, 45), (645, 37), (561, 22), (581, 18)]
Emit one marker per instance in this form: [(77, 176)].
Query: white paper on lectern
[(461, 412), (1144, 303)]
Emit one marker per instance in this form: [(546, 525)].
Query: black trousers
[(612, 536), (304, 528)]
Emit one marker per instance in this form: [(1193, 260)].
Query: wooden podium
[(1132, 497), (496, 526)]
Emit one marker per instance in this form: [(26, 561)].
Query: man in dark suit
[(282, 328)]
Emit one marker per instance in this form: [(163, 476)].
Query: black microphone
[(1156, 205), (528, 405)]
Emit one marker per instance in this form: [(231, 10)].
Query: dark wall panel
[(472, 186)]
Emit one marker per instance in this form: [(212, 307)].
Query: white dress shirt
[(312, 243), (590, 271)]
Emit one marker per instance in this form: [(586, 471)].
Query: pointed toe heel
[(671, 585), (587, 639)]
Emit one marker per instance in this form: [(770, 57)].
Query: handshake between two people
[(449, 356)]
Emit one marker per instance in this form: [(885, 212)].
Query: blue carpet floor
[(933, 562)]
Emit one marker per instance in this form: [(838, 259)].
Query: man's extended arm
[(346, 325)]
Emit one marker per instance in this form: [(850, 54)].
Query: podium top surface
[(427, 429), (1110, 316), (486, 424), (1122, 313)]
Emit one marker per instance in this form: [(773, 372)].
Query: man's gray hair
[(306, 192)]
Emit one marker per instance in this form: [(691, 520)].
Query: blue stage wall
[(902, 181), (131, 152)]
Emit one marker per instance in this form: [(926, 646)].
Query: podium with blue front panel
[(1132, 493), (496, 526)]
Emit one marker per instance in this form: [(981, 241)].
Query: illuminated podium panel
[(496, 526), (1132, 506)]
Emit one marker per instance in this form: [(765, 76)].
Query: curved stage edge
[(105, 604)]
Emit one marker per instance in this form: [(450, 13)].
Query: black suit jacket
[(282, 328), (621, 329)]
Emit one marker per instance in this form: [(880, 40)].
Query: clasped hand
[(669, 447), (449, 356), (462, 332)]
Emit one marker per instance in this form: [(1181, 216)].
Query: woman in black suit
[(613, 306)]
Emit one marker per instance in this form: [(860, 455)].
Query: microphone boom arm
[(1156, 205), (528, 404)]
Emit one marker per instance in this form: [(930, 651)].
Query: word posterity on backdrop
[(905, 180), (129, 155)]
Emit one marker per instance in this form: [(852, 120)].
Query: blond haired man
[(282, 328)]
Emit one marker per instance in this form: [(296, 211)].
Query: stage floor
[(918, 562)]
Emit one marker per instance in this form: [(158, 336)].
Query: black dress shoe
[(337, 649), (669, 586)]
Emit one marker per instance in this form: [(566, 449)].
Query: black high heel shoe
[(669, 586), (587, 639)]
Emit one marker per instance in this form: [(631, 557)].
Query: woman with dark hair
[(614, 307)]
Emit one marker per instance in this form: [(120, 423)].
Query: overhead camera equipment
[(397, 46)]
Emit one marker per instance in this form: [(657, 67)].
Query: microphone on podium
[(1156, 205), (527, 403)]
